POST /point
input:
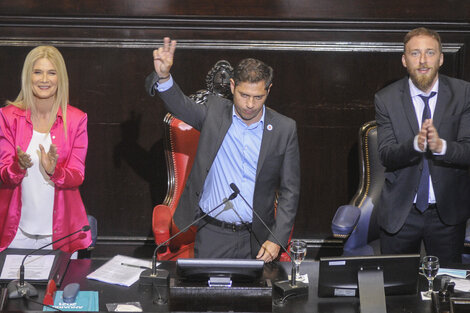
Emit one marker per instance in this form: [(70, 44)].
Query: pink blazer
[(69, 213)]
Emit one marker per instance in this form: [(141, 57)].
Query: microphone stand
[(21, 288), (285, 288), (160, 277)]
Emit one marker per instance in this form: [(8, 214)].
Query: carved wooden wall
[(329, 56)]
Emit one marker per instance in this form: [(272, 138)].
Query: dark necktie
[(422, 197)]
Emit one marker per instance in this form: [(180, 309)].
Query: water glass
[(298, 249)]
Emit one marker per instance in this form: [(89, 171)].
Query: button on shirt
[(419, 108), (235, 162)]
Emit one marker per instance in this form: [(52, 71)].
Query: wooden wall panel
[(329, 56), (389, 11)]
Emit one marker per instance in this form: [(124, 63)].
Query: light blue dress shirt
[(235, 162)]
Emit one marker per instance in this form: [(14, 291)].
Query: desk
[(78, 269)]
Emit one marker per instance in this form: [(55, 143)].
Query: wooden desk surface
[(78, 270)]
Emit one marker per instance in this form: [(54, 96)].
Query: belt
[(234, 227)]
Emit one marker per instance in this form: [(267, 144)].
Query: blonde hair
[(422, 31), (25, 99)]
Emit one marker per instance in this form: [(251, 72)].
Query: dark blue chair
[(356, 223), (86, 253)]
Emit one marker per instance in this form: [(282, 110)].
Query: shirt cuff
[(444, 148), (164, 86), (415, 145)]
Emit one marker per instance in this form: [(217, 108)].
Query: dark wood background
[(329, 56)]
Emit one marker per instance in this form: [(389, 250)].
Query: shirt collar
[(27, 114), (260, 122)]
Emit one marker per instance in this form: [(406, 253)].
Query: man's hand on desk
[(268, 252)]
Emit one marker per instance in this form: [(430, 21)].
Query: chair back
[(181, 145), (367, 196)]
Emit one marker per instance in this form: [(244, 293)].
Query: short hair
[(422, 31), (25, 99), (253, 71)]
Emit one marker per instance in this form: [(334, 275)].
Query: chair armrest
[(161, 223), (345, 220), (94, 231)]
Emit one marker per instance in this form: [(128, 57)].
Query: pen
[(136, 266)]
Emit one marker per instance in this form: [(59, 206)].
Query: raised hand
[(163, 57), (49, 159), (24, 159)]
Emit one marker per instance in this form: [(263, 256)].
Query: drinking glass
[(430, 268), (298, 249)]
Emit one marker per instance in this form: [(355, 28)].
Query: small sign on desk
[(86, 301)]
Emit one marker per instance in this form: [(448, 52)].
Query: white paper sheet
[(37, 267), (113, 272), (461, 284)]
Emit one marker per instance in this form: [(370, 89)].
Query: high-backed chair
[(86, 253), (357, 222), (181, 142)]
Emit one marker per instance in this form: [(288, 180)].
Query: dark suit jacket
[(278, 164), (397, 126)]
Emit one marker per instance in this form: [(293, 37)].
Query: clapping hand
[(428, 137), (49, 159), (24, 159)]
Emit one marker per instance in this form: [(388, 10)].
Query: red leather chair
[(181, 145), (181, 142)]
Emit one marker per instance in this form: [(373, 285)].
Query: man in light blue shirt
[(242, 142)]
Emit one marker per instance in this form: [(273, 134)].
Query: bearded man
[(424, 144)]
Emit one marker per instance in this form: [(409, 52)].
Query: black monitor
[(236, 269), (339, 276)]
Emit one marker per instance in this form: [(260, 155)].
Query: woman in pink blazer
[(43, 145)]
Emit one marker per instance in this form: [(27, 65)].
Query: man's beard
[(423, 82)]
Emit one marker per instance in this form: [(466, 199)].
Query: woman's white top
[(37, 191)]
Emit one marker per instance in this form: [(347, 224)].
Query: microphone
[(286, 288), (160, 277), (20, 288)]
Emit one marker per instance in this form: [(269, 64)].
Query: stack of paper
[(37, 267), (458, 277), (120, 270)]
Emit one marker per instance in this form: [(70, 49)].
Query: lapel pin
[(269, 127)]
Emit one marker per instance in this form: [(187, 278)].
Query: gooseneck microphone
[(160, 277), (286, 288), (20, 288)]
